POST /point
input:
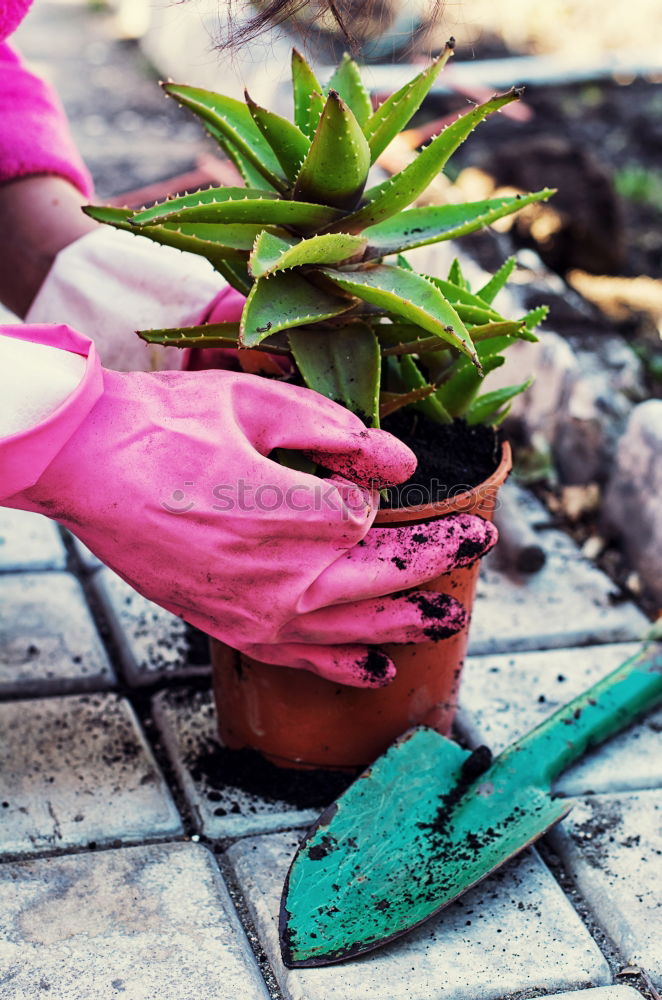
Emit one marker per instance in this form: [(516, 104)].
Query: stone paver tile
[(517, 931), (48, 639), (567, 603), (152, 642), (78, 770), (29, 541), (612, 845), (600, 993), (142, 923), (504, 696), (187, 722)]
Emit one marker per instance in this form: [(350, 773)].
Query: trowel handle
[(606, 708)]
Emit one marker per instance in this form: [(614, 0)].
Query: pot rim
[(469, 501)]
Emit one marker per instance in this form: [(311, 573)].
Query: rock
[(597, 407), (632, 505)]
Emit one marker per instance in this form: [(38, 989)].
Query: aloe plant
[(319, 255)]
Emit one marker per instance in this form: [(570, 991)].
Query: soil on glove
[(452, 458)]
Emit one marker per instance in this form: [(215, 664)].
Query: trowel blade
[(413, 833)]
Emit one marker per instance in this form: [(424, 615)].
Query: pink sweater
[(34, 133), (12, 13)]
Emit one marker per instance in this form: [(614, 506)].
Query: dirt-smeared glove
[(167, 477)]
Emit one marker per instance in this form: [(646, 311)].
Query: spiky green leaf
[(234, 121), (510, 331), (287, 140), (473, 315), (403, 338), (267, 251), (401, 190), (498, 418), (410, 296), (209, 204), (486, 409), (391, 117), (271, 253), (462, 297), (489, 291), (307, 91), (343, 365), (457, 393), (118, 218), (209, 335), (217, 243), (413, 378), (419, 227), (390, 402), (390, 334), (456, 276), (285, 300), (402, 261), (336, 167), (458, 377), (235, 273), (251, 176), (535, 317), (238, 205), (348, 83)]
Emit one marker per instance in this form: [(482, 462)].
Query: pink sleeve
[(34, 136), (12, 13)]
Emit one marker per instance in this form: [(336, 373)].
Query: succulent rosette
[(320, 255)]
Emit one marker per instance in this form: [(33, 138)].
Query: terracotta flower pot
[(297, 719)]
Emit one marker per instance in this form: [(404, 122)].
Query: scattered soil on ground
[(218, 767)]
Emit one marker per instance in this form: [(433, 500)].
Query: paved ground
[(131, 866)]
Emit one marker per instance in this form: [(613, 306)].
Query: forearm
[(39, 216), (43, 181)]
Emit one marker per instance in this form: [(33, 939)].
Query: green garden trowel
[(428, 820)]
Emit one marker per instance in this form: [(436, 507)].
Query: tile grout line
[(243, 912), (580, 905)]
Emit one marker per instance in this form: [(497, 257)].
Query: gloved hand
[(166, 476)]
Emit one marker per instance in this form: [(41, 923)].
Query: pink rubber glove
[(35, 137), (166, 477)]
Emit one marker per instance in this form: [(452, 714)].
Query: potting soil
[(452, 458)]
